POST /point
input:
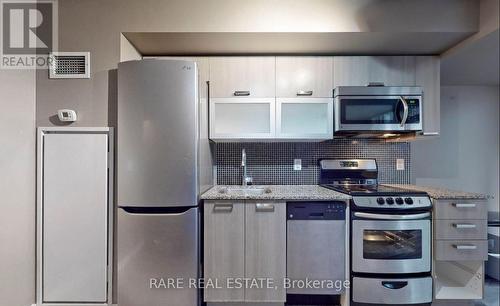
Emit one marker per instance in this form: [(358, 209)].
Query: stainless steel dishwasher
[(316, 247)]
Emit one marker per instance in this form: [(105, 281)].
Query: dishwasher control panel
[(316, 210)]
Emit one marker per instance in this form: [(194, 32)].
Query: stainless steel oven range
[(390, 235)]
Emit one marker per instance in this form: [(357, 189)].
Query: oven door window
[(392, 244)]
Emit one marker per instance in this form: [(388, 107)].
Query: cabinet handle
[(260, 207), (465, 246), (430, 134), (464, 205), (223, 208), (394, 285), (304, 93), (457, 225), (242, 93)]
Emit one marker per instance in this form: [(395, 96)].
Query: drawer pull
[(261, 207), (459, 226), (464, 205), (394, 285), (465, 246), (304, 93), (242, 93), (223, 208)]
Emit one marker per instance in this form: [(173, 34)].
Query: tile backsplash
[(272, 163)]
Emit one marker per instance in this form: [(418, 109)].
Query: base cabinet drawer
[(460, 229), (477, 210), (379, 291), (461, 250)]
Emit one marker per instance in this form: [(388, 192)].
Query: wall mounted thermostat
[(66, 115)]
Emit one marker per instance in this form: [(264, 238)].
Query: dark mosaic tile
[(272, 163)]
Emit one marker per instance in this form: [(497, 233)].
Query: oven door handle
[(392, 217)]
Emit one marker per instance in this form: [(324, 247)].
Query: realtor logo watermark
[(28, 33)]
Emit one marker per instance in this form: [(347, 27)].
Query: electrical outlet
[(297, 164), (400, 164)]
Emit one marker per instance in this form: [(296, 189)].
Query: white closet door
[(75, 217)]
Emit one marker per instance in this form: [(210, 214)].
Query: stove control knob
[(409, 201), (380, 201), (389, 201), (400, 201)]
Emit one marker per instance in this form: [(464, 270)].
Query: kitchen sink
[(245, 191)]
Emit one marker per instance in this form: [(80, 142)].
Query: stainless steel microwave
[(377, 109)]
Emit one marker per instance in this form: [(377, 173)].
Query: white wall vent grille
[(69, 65)]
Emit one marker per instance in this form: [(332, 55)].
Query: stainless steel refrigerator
[(157, 182)]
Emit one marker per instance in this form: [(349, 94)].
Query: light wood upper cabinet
[(298, 76), (224, 249), (268, 97), (362, 70), (242, 76), (428, 75)]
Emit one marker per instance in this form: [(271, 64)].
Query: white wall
[(465, 156), (17, 188)]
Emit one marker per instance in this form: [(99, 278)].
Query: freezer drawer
[(156, 245)]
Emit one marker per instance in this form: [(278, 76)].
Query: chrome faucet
[(246, 180)]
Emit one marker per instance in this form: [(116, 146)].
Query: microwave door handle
[(405, 111)]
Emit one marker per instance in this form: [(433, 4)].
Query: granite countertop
[(442, 193), (276, 192)]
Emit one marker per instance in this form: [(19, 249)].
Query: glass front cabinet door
[(242, 118), (304, 118)]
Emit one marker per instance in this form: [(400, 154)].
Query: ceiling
[(361, 27), (476, 63)]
